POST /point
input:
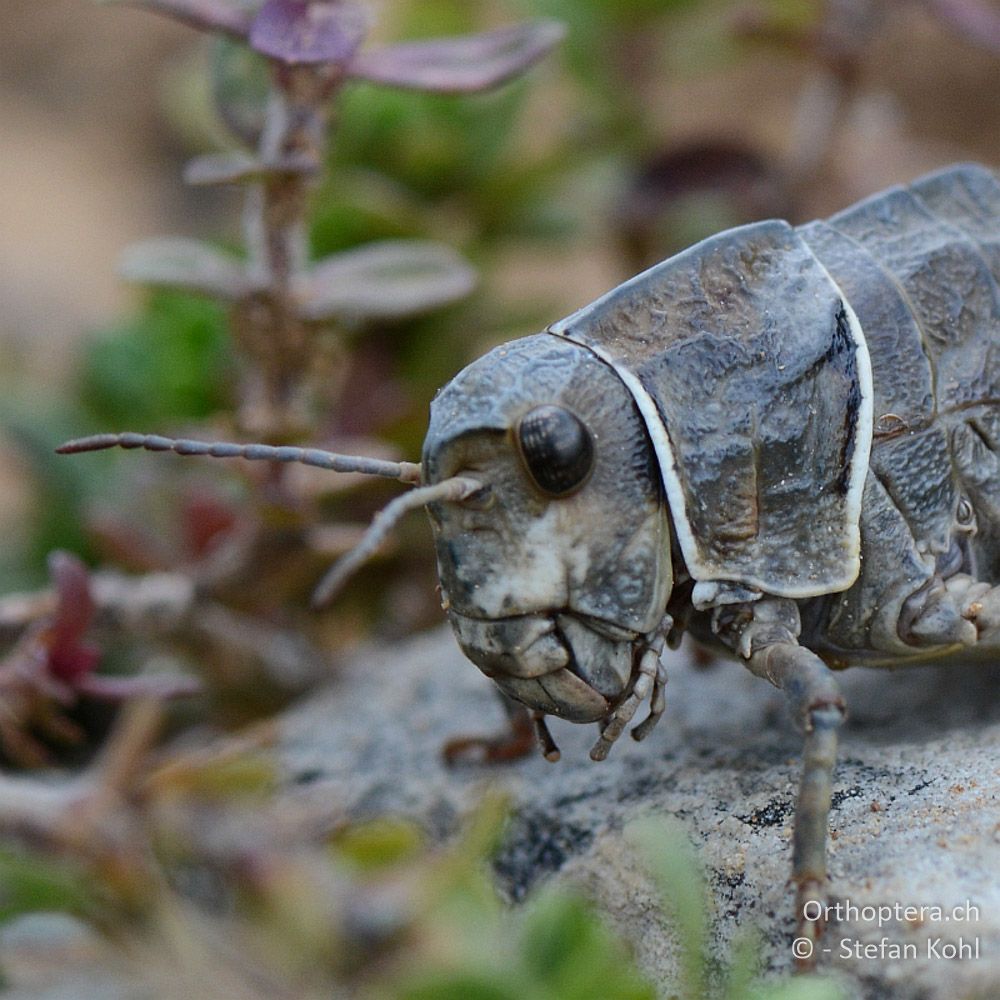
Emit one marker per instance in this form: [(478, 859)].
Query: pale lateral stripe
[(865, 422), (647, 408), (560, 327)]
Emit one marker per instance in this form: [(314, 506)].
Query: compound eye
[(557, 449)]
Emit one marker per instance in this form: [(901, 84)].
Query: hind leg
[(526, 730)]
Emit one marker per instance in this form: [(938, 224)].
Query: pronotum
[(784, 441)]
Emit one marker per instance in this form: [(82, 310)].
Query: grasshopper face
[(555, 570)]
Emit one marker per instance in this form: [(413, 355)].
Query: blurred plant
[(283, 322), (197, 888), (835, 35), (51, 667), (678, 194), (280, 302), (675, 866), (617, 53)]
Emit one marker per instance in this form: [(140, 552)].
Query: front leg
[(650, 681), (765, 634)]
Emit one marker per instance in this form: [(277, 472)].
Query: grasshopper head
[(555, 569)]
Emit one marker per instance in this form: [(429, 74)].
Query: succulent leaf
[(461, 65), (386, 280), (227, 16), (176, 262)]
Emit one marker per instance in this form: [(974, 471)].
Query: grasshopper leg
[(769, 645), (526, 730), (819, 710), (978, 603), (649, 682)]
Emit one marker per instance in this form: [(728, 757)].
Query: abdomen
[(921, 266)]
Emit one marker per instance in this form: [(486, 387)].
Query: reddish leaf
[(73, 665), (204, 519), (68, 659), (460, 65), (299, 32)]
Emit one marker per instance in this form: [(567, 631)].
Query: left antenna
[(405, 472)]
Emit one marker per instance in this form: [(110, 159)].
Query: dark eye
[(557, 449)]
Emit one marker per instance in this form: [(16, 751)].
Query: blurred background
[(656, 123), (653, 124)]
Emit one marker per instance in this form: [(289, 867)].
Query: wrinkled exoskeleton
[(785, 440)]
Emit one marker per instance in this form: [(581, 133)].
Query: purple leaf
[(177, 262), (973, 20), (299, 32), (385, 281), (460, 65), (227, 16)]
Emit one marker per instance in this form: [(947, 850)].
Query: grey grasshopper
[(784, 441)]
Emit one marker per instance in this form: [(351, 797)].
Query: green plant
[(674, 864)]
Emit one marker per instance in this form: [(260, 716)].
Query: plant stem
[(276, 339)]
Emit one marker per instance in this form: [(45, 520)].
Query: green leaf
[(34, 427), (378, 844), (360, 206), (435, 145), (677, 869), (744, 966), (31, 885), (799, 988), (459, 986), (568, 949)]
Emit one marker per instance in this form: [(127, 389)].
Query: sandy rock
[(915, 819)]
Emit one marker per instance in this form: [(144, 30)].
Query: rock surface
[(915, 818)]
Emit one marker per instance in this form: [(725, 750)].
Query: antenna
[(455, 489), (406, 472)]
